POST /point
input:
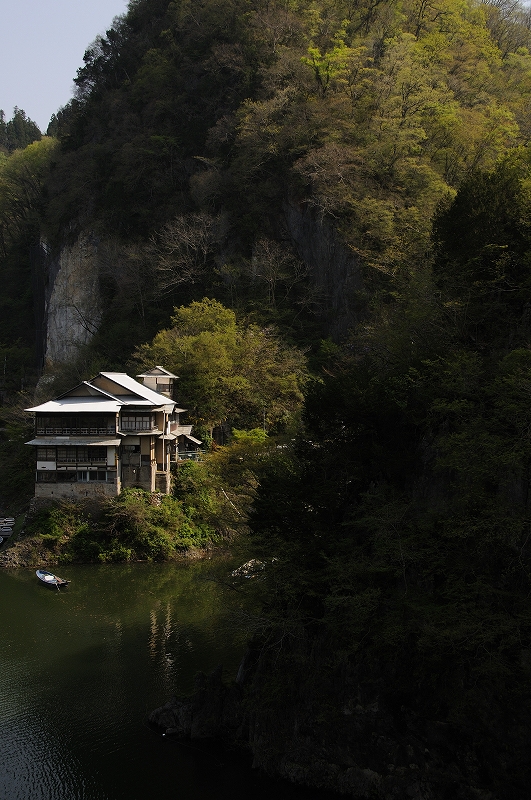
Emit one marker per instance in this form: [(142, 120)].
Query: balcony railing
[(131, 428), (190, 455), (74, 460), (41, 431)]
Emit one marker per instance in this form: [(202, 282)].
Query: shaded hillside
[(391, 654)]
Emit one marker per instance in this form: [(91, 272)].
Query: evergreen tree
[(18, 132)]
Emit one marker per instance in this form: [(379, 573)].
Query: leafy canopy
[(229, 372)]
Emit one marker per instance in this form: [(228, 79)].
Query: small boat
[(50, 579), (1, 539)]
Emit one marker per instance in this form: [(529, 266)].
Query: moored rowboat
[(50, 579)]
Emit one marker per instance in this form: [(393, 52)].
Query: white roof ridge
[(149, 372), (124, 380)]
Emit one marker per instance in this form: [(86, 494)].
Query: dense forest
[(319, 214)]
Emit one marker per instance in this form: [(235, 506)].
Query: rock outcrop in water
[(355, 746)]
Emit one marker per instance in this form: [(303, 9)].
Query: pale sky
[(42, 43)]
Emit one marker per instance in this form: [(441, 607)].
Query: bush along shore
[(136, 526), (208, 509)]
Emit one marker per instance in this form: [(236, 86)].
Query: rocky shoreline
[(362, 751), (22, 550), (30, 552)]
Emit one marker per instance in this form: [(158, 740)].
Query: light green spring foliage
[(395, 103), (228, 371), (22, 178), (370, 111)]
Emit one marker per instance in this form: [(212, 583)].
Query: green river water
[(81, 668)]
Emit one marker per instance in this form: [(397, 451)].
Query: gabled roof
[(156, 372), (135, 388), (183, 430), (87, 396), (84, 388)]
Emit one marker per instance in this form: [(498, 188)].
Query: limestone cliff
[(69, 298), (336, 273), (72, 300)]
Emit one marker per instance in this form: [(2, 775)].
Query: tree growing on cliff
[(229, 372)]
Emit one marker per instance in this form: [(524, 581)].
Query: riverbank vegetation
[(136, 526), (208, 509)]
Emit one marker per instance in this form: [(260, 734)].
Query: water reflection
[(81, 669), (164, 643)]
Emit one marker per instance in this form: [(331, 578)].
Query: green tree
[(229, 372), (483, 252), (18, 132), (22, 179)]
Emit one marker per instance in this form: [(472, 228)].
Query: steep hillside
[(286, 159)]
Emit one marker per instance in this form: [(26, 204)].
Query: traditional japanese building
[(108, 433)]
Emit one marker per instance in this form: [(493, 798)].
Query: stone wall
[(138, 476), (75, 491)]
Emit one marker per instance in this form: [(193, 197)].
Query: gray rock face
[(73, 306), (335, 271), (73, 303)]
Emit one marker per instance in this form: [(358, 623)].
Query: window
[(80, 455), (66, 455), (66, 476), (136, 422), (45, 453), (99, 475), (74, 424), (86, 476), (46, 476)]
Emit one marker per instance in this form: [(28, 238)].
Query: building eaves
[(98, 405), (71, 441)]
